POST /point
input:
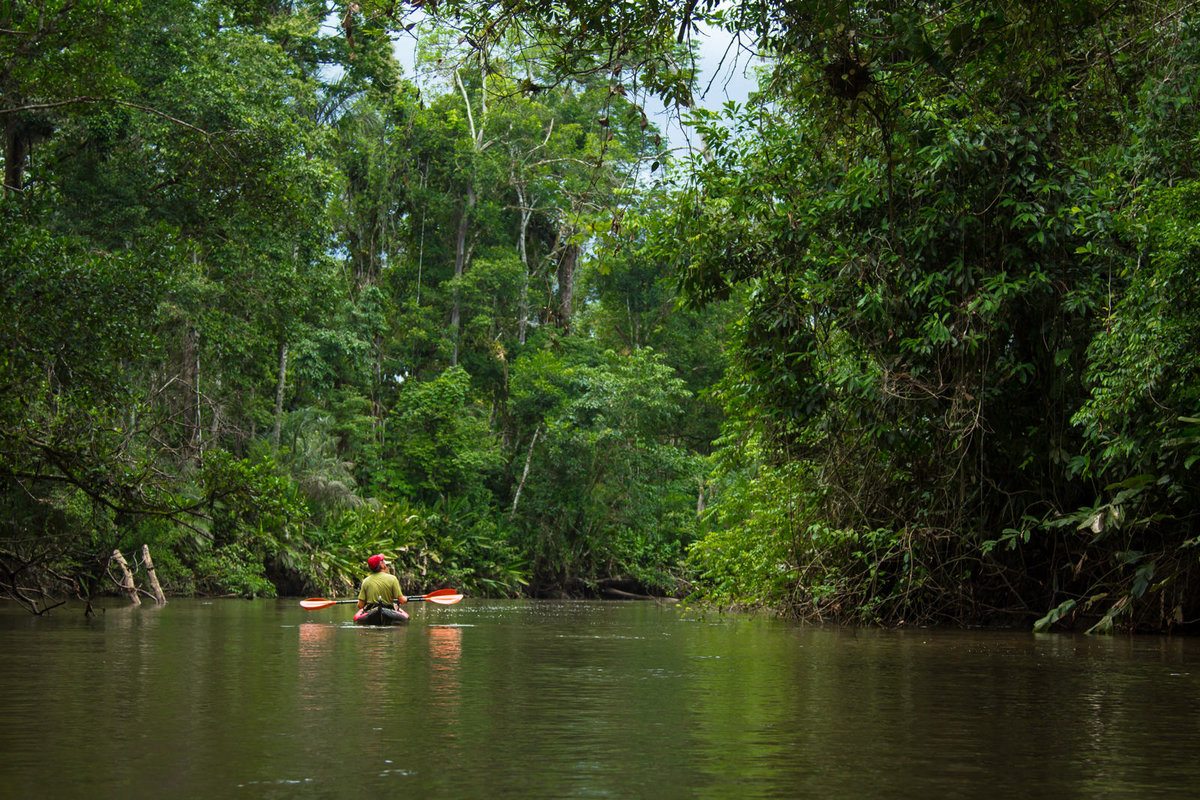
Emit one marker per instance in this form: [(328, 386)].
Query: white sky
[(725, 75)]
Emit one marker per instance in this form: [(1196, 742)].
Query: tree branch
[(85, 99)]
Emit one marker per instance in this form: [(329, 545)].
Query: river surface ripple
[(527, 699)]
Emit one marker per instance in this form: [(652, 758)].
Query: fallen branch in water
[(617, 593)]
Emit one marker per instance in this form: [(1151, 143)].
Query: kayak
[(380, 615)]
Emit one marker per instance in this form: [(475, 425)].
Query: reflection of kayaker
[(380, 596)]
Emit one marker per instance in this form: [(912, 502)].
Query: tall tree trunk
[(460, 263), (191, 401), (22, 130), (525, 472), (283, 359), (566, 285), (16, 150), (522, 248), (464, 223)]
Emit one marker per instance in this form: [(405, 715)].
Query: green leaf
[(1055, 614)]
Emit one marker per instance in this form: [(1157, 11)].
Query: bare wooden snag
[(159, 597), (127, 584)]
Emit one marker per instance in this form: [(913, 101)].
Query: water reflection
[(315, 640), (512, 699), (445, 680), (377, 656), (315, 645)]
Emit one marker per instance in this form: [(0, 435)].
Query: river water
[(517, 699)]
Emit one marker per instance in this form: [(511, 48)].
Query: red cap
[(376, 562)]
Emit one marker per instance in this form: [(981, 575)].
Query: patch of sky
[(726, 66)]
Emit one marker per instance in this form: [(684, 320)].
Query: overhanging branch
[(84, 99)]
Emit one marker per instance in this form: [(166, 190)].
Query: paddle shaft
[(444, 597), (408, 599)]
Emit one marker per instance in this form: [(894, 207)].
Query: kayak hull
[(380, 615)]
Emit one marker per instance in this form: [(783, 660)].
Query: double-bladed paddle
[(445, 597)]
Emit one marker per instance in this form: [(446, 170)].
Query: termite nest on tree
[(848, 77)]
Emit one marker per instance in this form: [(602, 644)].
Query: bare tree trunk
[(283, 358), (189, 401), (460, 263), (460, 249), (522, 238), (199, 415), (127, 584), (16, 150), (159, 597), (566, 285), (524, 472), (421, 253)]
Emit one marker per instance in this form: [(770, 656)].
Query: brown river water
[(521, 699)]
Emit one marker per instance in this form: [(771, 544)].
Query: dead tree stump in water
[(159, 597), (127, 584)]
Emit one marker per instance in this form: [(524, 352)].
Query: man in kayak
[(380, 586)]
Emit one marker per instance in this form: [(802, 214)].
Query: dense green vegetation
[(912, 340)]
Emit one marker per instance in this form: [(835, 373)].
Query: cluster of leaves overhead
[(639, 48)]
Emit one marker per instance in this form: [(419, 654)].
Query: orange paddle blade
[(445, 597), (321, 602)]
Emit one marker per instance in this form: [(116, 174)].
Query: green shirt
[(379, 585)]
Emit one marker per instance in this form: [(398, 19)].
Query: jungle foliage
[(271, 308), (911, 340), (965, 385)]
